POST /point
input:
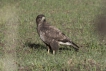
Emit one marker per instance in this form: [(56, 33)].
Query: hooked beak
[(43, 18)]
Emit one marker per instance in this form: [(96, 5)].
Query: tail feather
[(76, 47), (70, 43)]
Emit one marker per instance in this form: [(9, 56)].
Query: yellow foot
[(48, 51), (54, 52)]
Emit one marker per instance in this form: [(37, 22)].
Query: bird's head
[(40, 18)]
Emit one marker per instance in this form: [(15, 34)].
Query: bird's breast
[(42, 36)]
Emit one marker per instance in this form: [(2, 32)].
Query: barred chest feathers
[(42, 36)]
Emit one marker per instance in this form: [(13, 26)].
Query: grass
[(74, 17)]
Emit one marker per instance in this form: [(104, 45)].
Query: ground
[(76, 18)]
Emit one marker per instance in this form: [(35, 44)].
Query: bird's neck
[(42, 23)]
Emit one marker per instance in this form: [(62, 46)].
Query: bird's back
[(51, 32)]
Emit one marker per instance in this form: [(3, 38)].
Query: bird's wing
[(50, 32), (53, 33)]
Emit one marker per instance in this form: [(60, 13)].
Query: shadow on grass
[(34, 45), (40, 46), (65, 48)]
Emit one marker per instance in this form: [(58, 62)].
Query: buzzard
[(52, 36)]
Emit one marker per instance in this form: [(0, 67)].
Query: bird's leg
[(54, 46), (54, 52), (48, 50)]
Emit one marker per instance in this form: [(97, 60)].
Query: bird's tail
[(70, 43), (75, 46)]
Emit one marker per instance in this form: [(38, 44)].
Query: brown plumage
[(52, 36)]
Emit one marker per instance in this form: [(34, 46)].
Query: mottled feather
[(50, 35)]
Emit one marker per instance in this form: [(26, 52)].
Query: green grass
[(74, 17)]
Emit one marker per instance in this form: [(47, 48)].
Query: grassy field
[(76, 18)]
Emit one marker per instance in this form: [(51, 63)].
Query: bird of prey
[(52, 36)]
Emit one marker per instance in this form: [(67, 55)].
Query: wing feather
[(52, 32)]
